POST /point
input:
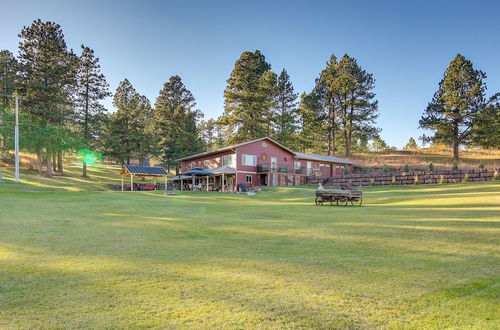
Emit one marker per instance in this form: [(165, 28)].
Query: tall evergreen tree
[(175, 122), (128, 135), (346, 96), (285, 111), (48, 75), (327, 91), (310, 119), (357, 109), (8, 77), (91, 89), (248, 98), (453, 110)]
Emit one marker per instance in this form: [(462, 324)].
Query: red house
[(263, 162)]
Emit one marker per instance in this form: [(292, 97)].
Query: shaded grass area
[(412, 256)]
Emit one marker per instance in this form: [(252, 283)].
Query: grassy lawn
[(75, 255)]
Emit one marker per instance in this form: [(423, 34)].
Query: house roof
[(223, 169), (232, 147), (299, 155), (323, 158), (144, 170)]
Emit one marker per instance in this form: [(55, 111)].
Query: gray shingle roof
[(332, 159)]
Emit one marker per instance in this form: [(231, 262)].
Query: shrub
[(441, 179), (495, 175), (454, 165), (466, 178), (481, 164), (393, 182), (431, 167), (386, 169), (406, 168), (372, 182), (364, 170), (416, 180), (346, 171)]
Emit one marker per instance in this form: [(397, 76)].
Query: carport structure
[(142, 172)]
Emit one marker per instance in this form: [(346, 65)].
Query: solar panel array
[(145, 170)]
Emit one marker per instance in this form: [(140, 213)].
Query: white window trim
[(246, 178), (296, 165), (244, 158), (231, 160)]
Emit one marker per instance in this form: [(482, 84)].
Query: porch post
[(182, 184), (131, 182), (223, 188), (207, 182), (122, 181), (192, 183)]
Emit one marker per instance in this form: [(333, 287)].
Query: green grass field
[(75, 255)]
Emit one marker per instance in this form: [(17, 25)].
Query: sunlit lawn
[(415, 256)]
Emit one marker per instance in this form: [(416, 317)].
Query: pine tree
[(128, 135), (8, 77), (412, 144), (486, 130), (378, 144), (310, 119), (248, 98), (328, 98), (357, 109), (175, 122), (453, 110), (91, 89), (48, 76), (285, 111)]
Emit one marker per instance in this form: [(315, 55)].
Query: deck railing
[(280, 168)]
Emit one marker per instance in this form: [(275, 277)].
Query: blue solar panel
[(145, 170)]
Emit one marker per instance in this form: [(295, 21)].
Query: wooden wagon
[(340, 197)]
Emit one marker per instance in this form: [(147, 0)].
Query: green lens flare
[(89, 157)]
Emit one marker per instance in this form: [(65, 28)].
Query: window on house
[(250, 160), (248, 179), (205, 163), (296, 165), (193, 164), (227, 160)]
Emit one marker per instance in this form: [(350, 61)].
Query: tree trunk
[(49, 164), (84, 169), (40, 162), (347, 143), (455, 151), (60, 167), (54, 162), (456, 142)]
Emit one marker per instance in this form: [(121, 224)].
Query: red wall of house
[(264, 150), (214, 161)]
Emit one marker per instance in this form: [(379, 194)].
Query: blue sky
[(406, 45)]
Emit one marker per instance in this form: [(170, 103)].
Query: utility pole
[(16, 140)]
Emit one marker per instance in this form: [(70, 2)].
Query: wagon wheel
[(345, 201), (360, 201), (342, 200), (318, 201)]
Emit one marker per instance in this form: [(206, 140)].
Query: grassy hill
[(75, 255), (441, 157)]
